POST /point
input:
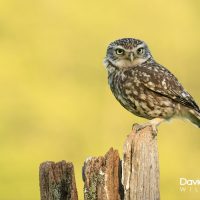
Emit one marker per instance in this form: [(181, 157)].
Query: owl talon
[(154, 131), (134, 126), (138, 127)]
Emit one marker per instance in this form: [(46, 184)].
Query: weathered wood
[(101, 177), (57, 181), (140, 175), (105, 178)]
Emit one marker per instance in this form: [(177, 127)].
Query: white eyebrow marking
[(140, 45), (119, 46), (127, 50)]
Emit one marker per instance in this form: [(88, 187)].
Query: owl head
[(127, 52)]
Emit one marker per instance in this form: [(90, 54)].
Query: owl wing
[(163, 82)]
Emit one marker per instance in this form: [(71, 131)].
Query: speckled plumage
[(144, 87)]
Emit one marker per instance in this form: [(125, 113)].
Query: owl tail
[(194, 117)]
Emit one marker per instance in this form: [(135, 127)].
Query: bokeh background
[(55, 103)]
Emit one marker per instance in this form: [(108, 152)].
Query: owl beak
[(131, 56)]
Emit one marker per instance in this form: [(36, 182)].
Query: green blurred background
[(55, 102)]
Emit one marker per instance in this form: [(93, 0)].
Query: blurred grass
[(55, 102)]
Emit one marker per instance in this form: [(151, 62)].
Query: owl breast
[(132, 95)]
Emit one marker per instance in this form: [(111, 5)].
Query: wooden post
[(101, 177), (105, 178), (57, 181), (140, 175)]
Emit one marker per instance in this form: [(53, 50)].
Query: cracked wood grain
[(101, 176), (57, 181), (140, 174)]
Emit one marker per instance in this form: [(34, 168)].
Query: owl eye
[(119, 51), (140, 51)]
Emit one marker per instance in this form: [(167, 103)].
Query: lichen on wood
[(101, 177), (57, 181)]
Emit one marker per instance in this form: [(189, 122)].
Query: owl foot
[(153, 123), (139, 127)]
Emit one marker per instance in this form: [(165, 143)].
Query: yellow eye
[(119, 51), (140, 51)]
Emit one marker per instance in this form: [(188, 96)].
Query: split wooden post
[(57, 181), (101, 177), (140, 174)]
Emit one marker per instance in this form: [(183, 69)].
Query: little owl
[(144, 87)]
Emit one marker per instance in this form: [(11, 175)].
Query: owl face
[(127, 52)]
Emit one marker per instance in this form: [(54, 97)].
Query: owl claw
[(134, 126), (155, 131), (138, 127)]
